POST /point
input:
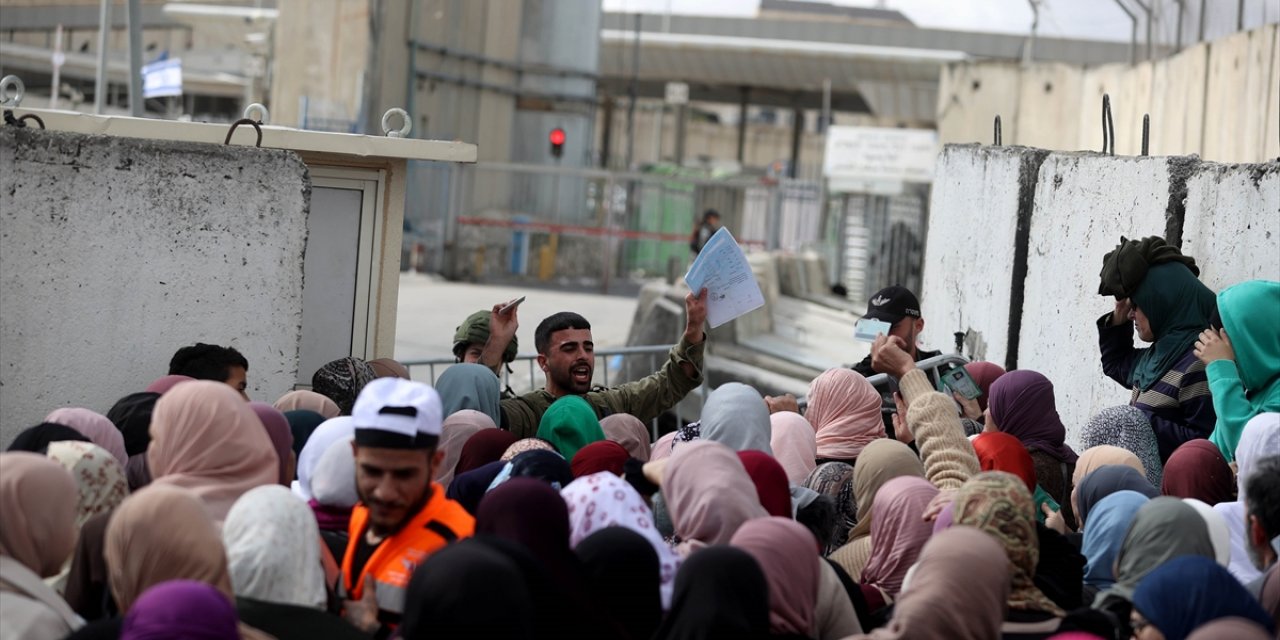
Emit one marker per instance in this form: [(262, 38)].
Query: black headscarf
[(302, 423), (132, 416), (342, 381), (1125, 267), (720, 592), (548, 466), (38, 438), (453, 594), (623, 575), (467, 489)]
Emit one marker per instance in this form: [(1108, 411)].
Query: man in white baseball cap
[(403, 517)]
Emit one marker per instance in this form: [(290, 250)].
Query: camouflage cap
[(475, 330)]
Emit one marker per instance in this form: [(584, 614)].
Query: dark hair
[(556, 322), (206, 362), (38, 438), (820, 517), (1262, 494), (709, 214)]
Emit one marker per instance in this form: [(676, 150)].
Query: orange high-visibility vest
[(439, 523)]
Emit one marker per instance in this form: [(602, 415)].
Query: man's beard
[(564, 379)]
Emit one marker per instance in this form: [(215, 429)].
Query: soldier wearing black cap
[(900, 308)]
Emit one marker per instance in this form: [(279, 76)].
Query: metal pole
[(632, 93), (1146, 8), (1182, 9), (742, 125), (58, 59), (1029, 54), (1133, 32), (1203, 11), (134, 17), (826, 105), (682, 118), (100, 79)]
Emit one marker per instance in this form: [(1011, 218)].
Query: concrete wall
[(1017, 236), (118, 251), (1220, 100)]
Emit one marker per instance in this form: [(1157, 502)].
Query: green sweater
[(1250, 384)]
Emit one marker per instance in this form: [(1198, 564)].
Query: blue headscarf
[(1104, 534), (1107, 480), (470, 386), (1189, 591)]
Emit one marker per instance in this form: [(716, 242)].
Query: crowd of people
[(374, 506)]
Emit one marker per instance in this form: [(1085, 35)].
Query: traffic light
[(557, 142)]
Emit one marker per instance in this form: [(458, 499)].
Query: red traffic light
[(557, 136)]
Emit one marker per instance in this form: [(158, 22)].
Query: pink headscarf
[(628, 431), (277, 427), (898, 532), (844, 409), (38, 499), (794, 445), (205, 438), (663, 447), (309, 401), (163, 385), (458, 427), (708, 494), (94, 426), (788, 555)]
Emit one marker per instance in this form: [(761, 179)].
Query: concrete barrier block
[(1083, 204), (1232, 223)]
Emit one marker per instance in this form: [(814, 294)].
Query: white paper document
[(722, 268)]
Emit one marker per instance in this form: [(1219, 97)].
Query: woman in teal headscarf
[(1170, 307), (569, 424), (470, 386), (1243, 360)]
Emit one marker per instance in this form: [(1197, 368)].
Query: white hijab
[(333, 481), (1259, 439), (329, 432), (273, 549)]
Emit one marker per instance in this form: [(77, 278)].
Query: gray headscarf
[(735, 415), (1129, 428), (470, 386), (1163, 529), (342, 381)]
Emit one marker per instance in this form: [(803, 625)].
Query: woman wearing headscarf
[(132, 416), (333, 495), (984, 374), (547, 466), (273, 556), (342, 380), (1022, 405), (957, 591), (1096, 458), (1105, 481), (1158, 292), (388, 368), (1186, 592), (38, 500), (880, 462), (94, 426), (1103, 536), (708, 495), (1198, 470), (1234, 628), (569, 424), (844, 410), (1163, 529), (1242, 361), (277, 427), (1219, 534), (452, 593), (898, 533), (525, 444), (470, 386), (38, 438), (163, 384), (794, 444), (770, 481), (184, 609), (621, 570), (999, 504), (835, 480), (206, 438), (1129, 428), (603, 500), (720, 592), (303, 400), (334, 429), (467, 489), (1260, 439), (628, 431), (736, 416), (101, 483), (603, 455), (1002, 452), (787, 553), (485, 446), (302, 424), (457, 429)]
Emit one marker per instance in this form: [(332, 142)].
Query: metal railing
[(933, 367)]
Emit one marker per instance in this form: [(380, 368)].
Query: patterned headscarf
[(835, 480), (273, 549), (101, 480), (1129, 428), (999, 504), (526, 444), (94, 426), (342, 380), (604, 500)]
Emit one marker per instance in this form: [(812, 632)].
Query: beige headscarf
[(844, 409), (308, 401), (101, 482), (454, 433), (628, 431), (879, 462), (1102, 455), (163, 533), (388, 368), (206, 438), (38, 504)]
